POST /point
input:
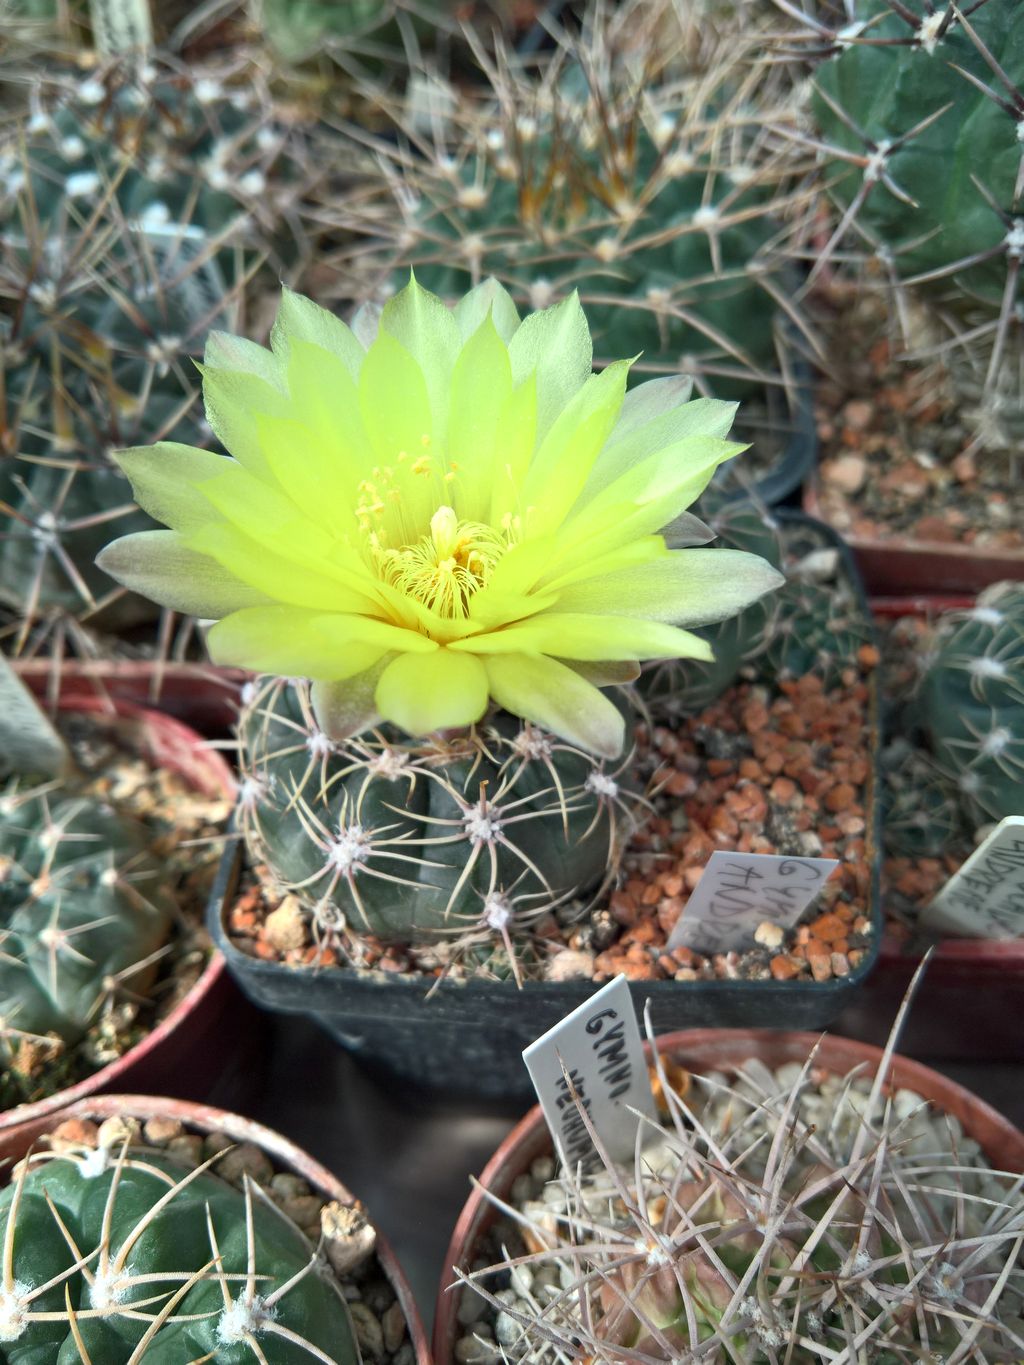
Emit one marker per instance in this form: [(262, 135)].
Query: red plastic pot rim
[(166, 739), (703, 1050), (904, 548), (283, 1152)]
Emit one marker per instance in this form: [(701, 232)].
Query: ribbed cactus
[(118, 1256), (778, 1216), (653, 189), (132, 200), (920, 112), (467, 838), (83, 914), (972, 702)]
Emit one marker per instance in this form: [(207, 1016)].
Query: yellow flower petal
[(555, 346), (481, 387), (165, 479), (309, 644), (487, 299), (300, 319), (429, 333), (435, 692), (160, 566), (548, 693), (567, 635)]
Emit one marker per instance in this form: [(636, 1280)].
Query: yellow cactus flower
[(439, 508)]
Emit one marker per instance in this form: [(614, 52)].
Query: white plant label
[(28, 742), (599, 1046), (985, 899), (121, 25), (738, 891)]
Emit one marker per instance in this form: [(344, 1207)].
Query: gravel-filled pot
[(750, 1072), (462, 1031), (932, 827), (224, 1236), (206, 1034)]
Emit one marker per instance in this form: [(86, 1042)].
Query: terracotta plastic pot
[(202, 695), (212, 1029), (903, 566), (201, 1118), (970, 1004), (702, 1051)]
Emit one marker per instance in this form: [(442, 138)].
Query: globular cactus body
[(81, 911), (132, 201), (458, 837), (648, 182), (117, 1257), (971, 700), (920, 126)]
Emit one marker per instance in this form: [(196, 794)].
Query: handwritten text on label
[(737, 891), (985, 899), (600, 1047)]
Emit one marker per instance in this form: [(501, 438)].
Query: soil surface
[(899, 459)]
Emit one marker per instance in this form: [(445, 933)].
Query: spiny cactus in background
[(470, 838), (83, 918), (775, 1217), (362, 35), (972, 702), (628, 168), (921, 815), (113, 1257), (136, 201), (689, 685), (919, 113)]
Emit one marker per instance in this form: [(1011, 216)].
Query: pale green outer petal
[(556, 345), (366, 324), (435, 692), (277, 578), (651, 399), (685, 530), (687, 587), (233, 400), (347, 707), (299, 319), (307, 644), (488, 297), (626, 449), (481, 386), (226, 352), (569, 635), (429, 332), (159, 566), (606, 672), (562, 465), (645, 499), (164, 478), (548, 693), (644, 550)]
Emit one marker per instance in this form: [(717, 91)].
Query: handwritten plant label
[(738, 891), (28, 742), (985, 899), (599, 1046)]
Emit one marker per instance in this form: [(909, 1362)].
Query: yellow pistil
[(444, 569)]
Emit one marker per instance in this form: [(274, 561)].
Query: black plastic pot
[(465, 1040)]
